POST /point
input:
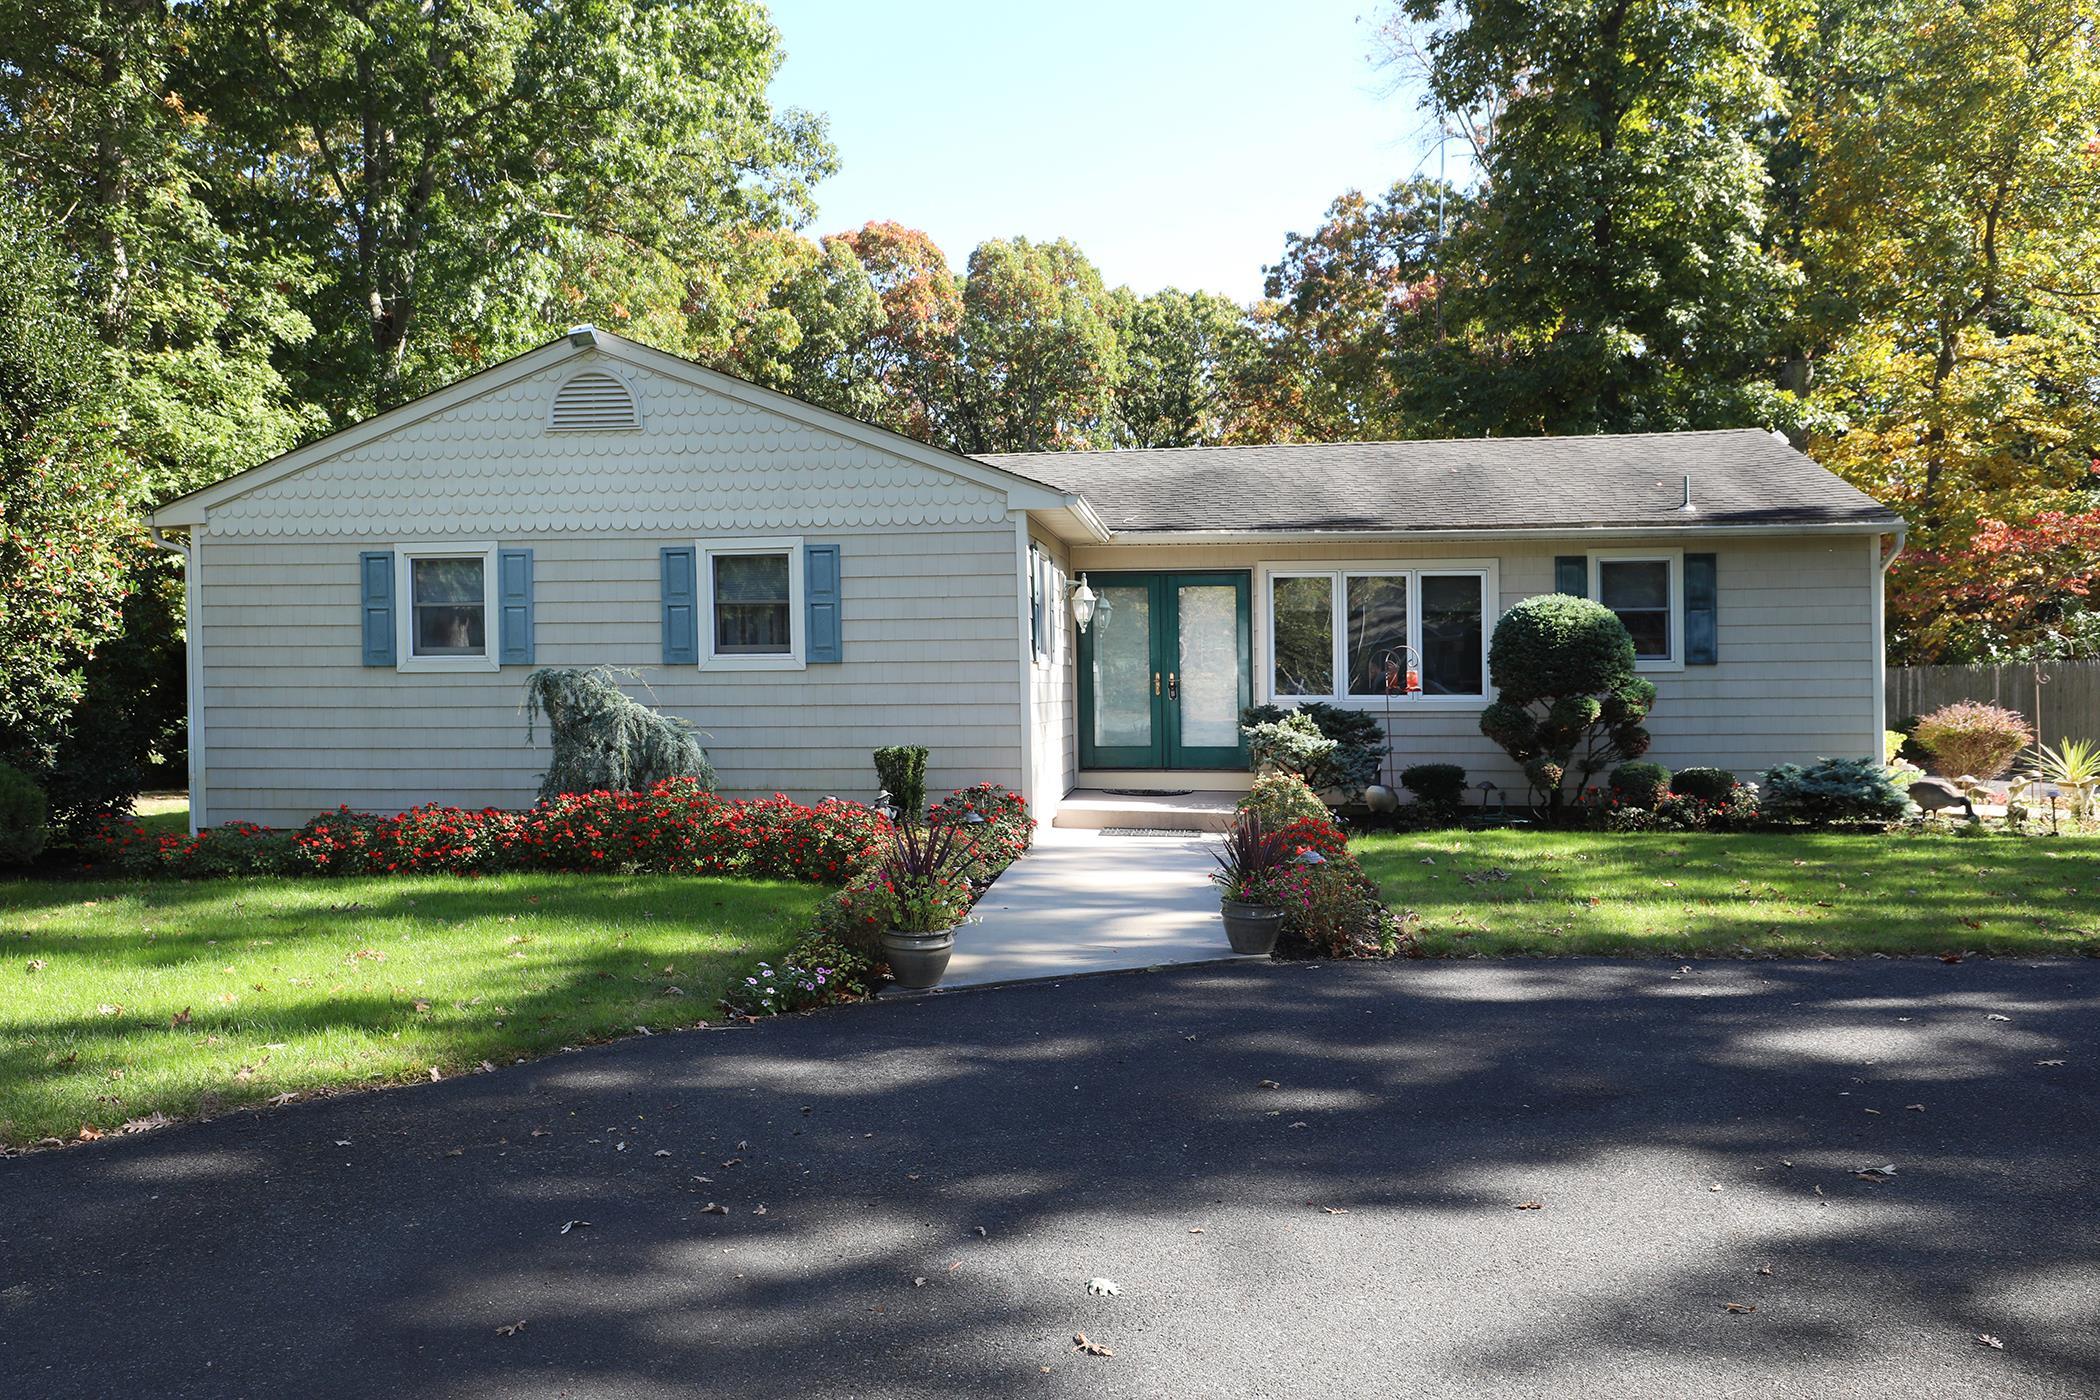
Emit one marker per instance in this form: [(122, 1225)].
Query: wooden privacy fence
[(2070, 694)]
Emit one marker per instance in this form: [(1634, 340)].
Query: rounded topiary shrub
[(1710, 784), (1435, 784), (24, 817), (1571, 704), (1641, 784), (1282, 798)]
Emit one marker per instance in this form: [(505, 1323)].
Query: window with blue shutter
[(681, 605), (375, 584), (514, 606), (1571, 575), (820, 604), (1702, 611)]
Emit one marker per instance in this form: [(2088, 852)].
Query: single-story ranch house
[(363, 611)]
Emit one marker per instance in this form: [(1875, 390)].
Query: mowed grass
[(121, 1000), (1544, 893)]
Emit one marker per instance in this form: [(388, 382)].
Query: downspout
[(192, 668), (1881, 638)]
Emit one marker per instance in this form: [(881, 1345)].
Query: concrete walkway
[(1083, 902)]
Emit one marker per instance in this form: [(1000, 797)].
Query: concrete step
[(1091, 809)]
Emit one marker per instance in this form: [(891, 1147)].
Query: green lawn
[(164, 813), (1515, 892), (120, 1000)]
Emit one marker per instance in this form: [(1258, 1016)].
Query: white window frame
[(793, 658), (1674, 558), (1045, 574), (405, 658), (1339, 572)]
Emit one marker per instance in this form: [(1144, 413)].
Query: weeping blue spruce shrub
[(604, 738)]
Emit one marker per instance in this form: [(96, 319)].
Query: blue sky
[(1175, 141)]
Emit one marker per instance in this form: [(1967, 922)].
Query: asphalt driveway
[(1303, 1181)]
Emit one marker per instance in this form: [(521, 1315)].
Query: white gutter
[(1522, 532), (192, 665)]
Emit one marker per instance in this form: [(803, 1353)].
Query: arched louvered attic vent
[(593, 402)]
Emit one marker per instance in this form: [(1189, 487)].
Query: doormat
[(1152, 831), (1149, 792)]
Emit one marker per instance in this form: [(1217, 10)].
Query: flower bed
[(673, 828)]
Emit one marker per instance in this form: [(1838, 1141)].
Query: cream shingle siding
[(293, 723), (1799, 673)]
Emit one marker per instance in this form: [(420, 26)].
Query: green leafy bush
[(1440, 785), (1281, 798), (1972, 740), (23, 827), (1293, 745), (1349, 766), (1640, 783), (1711, 784), (1571, 704), (1832, 790), (901, 769)]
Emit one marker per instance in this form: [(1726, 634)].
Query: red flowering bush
[(344, 842), (1316, 834)]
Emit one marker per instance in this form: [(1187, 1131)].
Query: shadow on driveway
[(1351, 1231)]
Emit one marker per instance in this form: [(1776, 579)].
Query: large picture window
[(1331, 631)]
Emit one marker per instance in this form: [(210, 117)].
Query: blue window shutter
[(681, 606), (375, 595), (820, 604), (514, 602), (1702, 608), (1571, 575)]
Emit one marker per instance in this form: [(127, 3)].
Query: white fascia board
[(194, 508)]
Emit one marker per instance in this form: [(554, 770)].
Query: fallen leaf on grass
[(38, 965), (282, 1099), (434, 1075), (1742, 1307), (1985, 1339), (180, 1018), (1080, 1343), (568, 1225), (512, 1330)]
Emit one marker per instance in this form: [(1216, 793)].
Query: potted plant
[(1251, 859), (928, 896)]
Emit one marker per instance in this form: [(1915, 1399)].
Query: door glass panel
[(1210, 666), (1123, 665)]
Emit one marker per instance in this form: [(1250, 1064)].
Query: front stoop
[(1091, 809)]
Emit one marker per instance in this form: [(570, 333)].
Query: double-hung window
[(1646, 590), (1333, 632), (754, 604), (447, 618)]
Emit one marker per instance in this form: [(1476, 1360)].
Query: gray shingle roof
[(1739, 477)]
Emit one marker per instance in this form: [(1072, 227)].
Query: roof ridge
[(1679, 433)]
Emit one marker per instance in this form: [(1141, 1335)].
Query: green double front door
[(1164, 670)]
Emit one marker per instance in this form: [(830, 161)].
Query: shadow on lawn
[(1090, 1129), (553, 955)]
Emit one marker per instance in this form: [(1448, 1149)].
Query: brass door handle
[(1173, 686), (1155, 682)]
